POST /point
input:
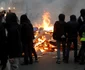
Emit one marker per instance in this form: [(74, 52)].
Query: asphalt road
[(48, 62)]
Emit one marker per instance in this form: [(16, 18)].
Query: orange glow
[(46, 23), (44, 34)]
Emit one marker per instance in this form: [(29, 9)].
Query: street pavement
[(47, 61)]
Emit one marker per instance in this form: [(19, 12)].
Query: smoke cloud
[(36, 8), (55, 7)]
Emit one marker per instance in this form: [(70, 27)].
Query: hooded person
[(27, 36), (3, 47), (72, 31), (13, 40), (59, 35)]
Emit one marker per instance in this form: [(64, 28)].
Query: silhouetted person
[(59, 35), (13, 40), (72, 32), (3, 49), (82, 39), (81, 17), (80, 21), (27, 36)]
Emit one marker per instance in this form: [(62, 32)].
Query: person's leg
[(4, 61), (30, 57), (68, 50), (64, 47), (26, 54), (35, 54), (79, 54), (75, 50), (82, 53), (58, 52), (30, 53)]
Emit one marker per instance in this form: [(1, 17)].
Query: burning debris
[(43, 35), (42, 41)]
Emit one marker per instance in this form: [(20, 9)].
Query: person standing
[(27, 36), (13, 40), (3, 48), (81, 17), (72, 33), (80, 21), (82, 39), (59, 35)]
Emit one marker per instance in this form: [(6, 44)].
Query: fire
[(43, 35), (46, 22)]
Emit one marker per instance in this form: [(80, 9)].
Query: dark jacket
[(2, 40), (27, 33), (14, 41), (80, 21), (72, 29), (59, 30), (82, 29), (13, 36)]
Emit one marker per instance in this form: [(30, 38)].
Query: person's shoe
[(58, 61)]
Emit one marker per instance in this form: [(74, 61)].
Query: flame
[(44, 34), (46, 23)]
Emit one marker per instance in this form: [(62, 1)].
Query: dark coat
[(13, 40), (82, 29), (27, 33), (59, 30), (3, 48), (80, 21), (13, 36), (72, 29)]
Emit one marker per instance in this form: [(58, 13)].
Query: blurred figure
[(13, 40), (72, 31), (59, 35), (82, 39), (81, 22), (3, 49), (27, 36), (81, 17)]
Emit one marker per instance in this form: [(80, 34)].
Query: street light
[(1, 8), (9, 8)]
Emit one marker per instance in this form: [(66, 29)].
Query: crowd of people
[(17, 38), (68, 32)]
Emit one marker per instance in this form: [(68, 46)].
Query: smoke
[(36, 8)]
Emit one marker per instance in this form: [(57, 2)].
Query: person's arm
[(54, 31)]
